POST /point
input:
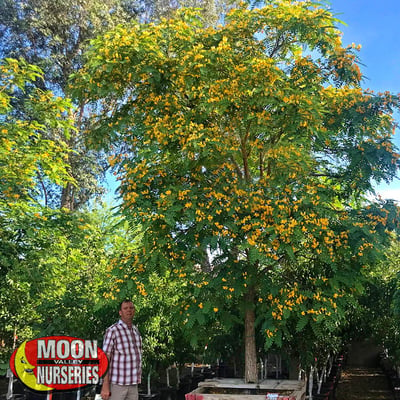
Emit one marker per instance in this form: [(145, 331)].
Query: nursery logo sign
[(58, 363)]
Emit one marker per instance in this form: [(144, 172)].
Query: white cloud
[(387, 193)]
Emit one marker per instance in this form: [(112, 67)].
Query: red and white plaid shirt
[(124, 346)]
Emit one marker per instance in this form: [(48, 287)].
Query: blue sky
[(374, 24)]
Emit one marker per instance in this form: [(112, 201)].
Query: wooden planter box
[(237, 389)]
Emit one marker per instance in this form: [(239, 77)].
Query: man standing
[(123, 347)]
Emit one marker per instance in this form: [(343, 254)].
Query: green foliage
[(25, 151), (381, 293), (54, 279)]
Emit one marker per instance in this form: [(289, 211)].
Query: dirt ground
[(363, 383)]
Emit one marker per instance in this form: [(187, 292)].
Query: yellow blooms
[(269, 333), (251, 241)]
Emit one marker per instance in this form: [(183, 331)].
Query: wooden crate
[(237, 389)]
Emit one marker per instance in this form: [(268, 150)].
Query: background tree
[(381, 283), (212, 11), (25, 152)]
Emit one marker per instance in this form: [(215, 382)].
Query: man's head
[(126, 311)]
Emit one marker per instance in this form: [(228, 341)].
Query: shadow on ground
[(363, 383)]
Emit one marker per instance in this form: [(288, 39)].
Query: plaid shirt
[(124, 346)]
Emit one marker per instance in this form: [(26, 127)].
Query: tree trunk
[(67, 200), (294, 368), (250, 364)]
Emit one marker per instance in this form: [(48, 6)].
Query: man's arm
[(105, 388)]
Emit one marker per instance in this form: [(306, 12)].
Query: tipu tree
[(248, 151)]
